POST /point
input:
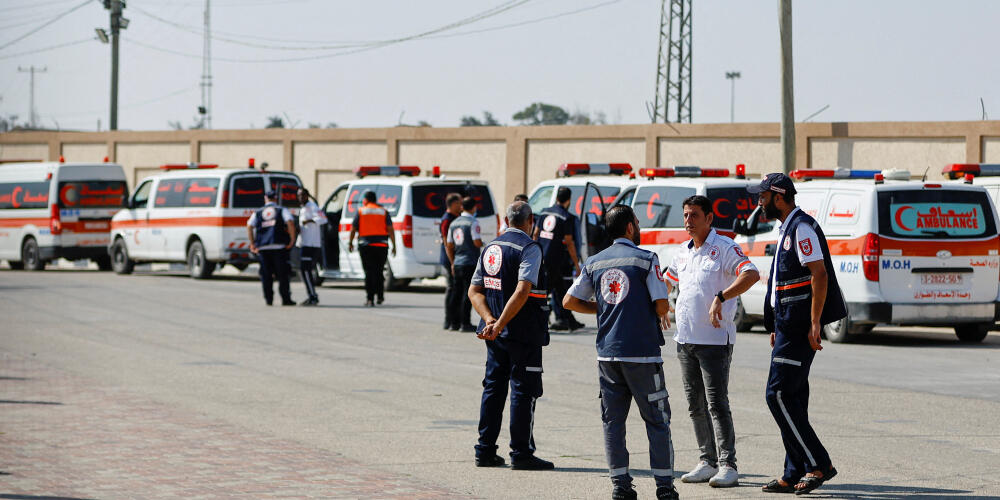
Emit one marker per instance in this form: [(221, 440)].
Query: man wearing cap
[(373, 225), (802, 296), (271, 231)]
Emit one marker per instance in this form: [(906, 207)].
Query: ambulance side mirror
[(748, 226)]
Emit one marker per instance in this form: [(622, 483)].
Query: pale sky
[(869, 60)]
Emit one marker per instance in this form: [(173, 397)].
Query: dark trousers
[(309, 257), (520, 365), (449, 292), (705, 371), (373, 261), (788, 399), (275, 263), (460, 308), (559, 283)]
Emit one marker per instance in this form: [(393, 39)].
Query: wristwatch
[(721, 297)]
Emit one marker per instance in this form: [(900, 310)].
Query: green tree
[(275, 121), (487, 121), (542, 114)]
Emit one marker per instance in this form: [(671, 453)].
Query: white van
[(906, 252), (415, 205), (57, 210), (196, 214)]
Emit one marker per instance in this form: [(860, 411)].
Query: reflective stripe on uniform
[(515, 246), (786, 361), (621, 262), (784, 411)]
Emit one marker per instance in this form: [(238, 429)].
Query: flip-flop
[(776, 487), (813, 482)]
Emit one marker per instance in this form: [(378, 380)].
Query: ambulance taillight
[(225, 198), (869, 256), (408, 231), (55, 223)]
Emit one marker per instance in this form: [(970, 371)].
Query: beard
[(771, 211), (636, 236)]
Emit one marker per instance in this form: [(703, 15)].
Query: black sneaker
[(380, 300), (623, 493), (667, 493), (369, 303), (309, 302), (454, 328), (531, 463), (492, 461), (559, 326), (288, 302), (576, 325)]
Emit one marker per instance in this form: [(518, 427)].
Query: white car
[(56, 210), (196, 214), (905, 252), (416, 205)]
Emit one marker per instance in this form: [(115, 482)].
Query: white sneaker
[(701, 473), (726, 478)]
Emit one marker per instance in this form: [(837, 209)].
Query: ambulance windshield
[(90, 194), (429, 199), (935, 214)]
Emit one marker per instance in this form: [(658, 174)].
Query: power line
[(32, 5), (43, 25), (51, 47), (130, 105)]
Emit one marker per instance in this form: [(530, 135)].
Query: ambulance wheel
[(120, 261), (31, 256), (103, 262), (198, 266), (973, 332), (844, 331), (391, 283), (743, 322)]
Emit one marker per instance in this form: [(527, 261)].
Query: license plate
[(941, 279)]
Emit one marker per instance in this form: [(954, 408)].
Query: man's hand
[(393, 250), (490, 331), (772, 339), (814, 337), (289, 245), (350, 246), (715, 312), (253, 248)]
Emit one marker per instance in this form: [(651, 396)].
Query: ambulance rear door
[(88, 196), (428, 203)]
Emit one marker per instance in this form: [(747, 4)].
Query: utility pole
[(787, 94), (206, 72), (118, 23), (732, 76), (673, 63), (32, 115)]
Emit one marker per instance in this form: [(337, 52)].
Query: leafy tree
[(487, 121), (542, 114), (275, 121), (9, 122)]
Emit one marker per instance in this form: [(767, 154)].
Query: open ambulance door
[(593, 234)]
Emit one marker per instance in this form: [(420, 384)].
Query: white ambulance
[(196, 214), (905, 252), (57, 210), (416, 205)]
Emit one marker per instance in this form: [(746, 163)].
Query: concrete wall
[(460, 159), (28, 151), (94, 152), (545, 156), (991, 149), (140, 160), (759, 155), (324, 165), (238, 154), (915, 155)]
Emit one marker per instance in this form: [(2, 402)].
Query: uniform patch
[(493, 283), (787, 244), (739, 251), (549, 223), (492, 259), (614, 286), (268, 213), (713, 253), (806, 246), (659, 275), (458, 235)]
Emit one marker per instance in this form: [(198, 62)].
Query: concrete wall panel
[(991, 149), (140, 160), (25, 152), (545, 156), (236, 154), (759, 155), (324, 165), (915, 155), (461, 159), (84, 152)]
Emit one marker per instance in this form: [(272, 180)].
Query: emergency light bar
[(840, 173), (958, 170), (571, 169), (683, 171), (185, 166), (387, 170)]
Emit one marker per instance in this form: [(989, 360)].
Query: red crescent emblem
[(13, 197), (899, 217), (63, 195), (429, 203), (350, 208), (649, 206), (715, 208), (579, 203)]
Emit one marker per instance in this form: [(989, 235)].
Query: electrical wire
[(31, 5), (130, 105), (45, 49), (43, 25)]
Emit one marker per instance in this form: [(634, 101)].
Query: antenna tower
[(673, 64)]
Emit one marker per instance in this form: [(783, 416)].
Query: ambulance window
[(387, 196), (354, 198), (541, 200), (626, 197), (811, 202), (593, 205), (660, 206), (935, 214), (287, 189), (24, 194), (730, 204), (429, 200), (84, 194), (170, 193), (335, 203), (248, 192), (201, 192), (141, 196), (484, 202), (844, 209)]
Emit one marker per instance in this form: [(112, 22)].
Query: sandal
[(775, 486), (809, 483)]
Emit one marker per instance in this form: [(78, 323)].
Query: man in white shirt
[(310, 242), (711, 272)]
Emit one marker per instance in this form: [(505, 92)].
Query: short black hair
[(370, 196), (468, 203), (699, 201), (618, 219), (563, 195), (452, 198), (520, 197)]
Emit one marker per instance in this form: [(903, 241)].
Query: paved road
[(157, 386)]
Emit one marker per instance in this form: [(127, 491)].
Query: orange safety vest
[(373, 225)]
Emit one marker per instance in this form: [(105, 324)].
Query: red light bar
[(683, 171), (250, 163), (436, 172), (656, 172), (715, 172), (958, 170), (185, 166), (571, 169), (741, 171), (811, 174), (387, 170)]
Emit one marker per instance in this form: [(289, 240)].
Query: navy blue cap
[(777, 182)]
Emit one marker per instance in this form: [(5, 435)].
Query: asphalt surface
[(342, 401)]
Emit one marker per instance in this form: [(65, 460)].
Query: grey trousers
[(705, 370), (621, 383)]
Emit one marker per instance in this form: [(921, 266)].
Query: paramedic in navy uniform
[(554, 232), (631, 297), (514, 323), (802, 296), (271, 231), (463, 244)]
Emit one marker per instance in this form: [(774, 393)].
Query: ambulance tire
[(391, 283), (120, 261), (844, 331), (973, 332), (103, 262), (199, 267), (31, 256), (743, 322)]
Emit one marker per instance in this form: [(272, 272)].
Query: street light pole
[(787, 94), (732, 76), (118, 23)]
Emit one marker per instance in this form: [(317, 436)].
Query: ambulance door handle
[(769, 249)]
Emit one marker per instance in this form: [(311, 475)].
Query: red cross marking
[(615, 287), (493, 259)]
